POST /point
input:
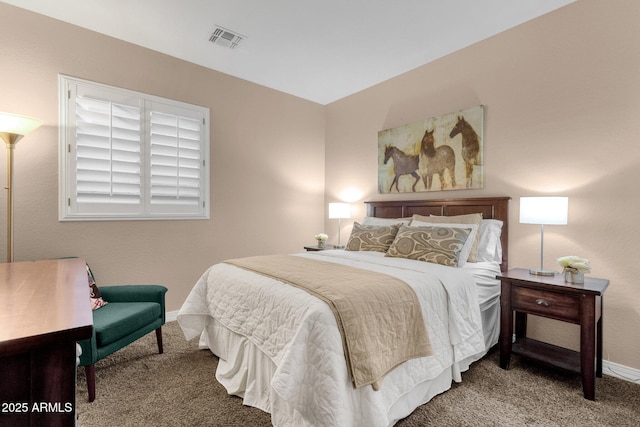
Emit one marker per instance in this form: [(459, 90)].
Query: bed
[(280, 347)]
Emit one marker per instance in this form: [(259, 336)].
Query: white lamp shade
[(544, 210), (18, 125), (339, 210)]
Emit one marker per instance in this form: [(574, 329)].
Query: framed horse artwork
[(436, 154)]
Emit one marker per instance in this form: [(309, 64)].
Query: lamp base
[(537, 272)]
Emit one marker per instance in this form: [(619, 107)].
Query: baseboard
[(171, 316), (620, 371), (608, 368)]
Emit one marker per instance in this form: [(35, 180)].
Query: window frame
[(145, 206)]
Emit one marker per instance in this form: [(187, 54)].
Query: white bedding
[(280, 349)]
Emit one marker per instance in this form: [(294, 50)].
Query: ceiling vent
[(227, 38)]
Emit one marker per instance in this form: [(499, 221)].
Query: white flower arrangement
[(575, 264), (321, 237)]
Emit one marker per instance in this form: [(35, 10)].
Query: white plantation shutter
[(108, 157), (176, 161), (126, 155)]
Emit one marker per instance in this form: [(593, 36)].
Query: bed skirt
[(245, 371)]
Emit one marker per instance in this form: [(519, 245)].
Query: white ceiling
[(320, 50)]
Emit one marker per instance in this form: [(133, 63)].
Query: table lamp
[(339, 211), (544, 211)]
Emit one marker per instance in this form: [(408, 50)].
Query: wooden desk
[(551, 297), (44, 310)]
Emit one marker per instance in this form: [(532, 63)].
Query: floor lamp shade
[(12, 128), (339, 211), (551, 210)]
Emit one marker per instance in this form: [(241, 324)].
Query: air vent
[(227, 38)]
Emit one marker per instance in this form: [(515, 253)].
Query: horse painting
[(403, 164), (470, 147), (433, 154), (437, 160)]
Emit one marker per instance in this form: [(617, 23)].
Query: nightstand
[(549, 296), (316, 248)]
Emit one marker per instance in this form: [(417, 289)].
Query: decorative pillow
[(489, 244), (376, 238), (440, 245), (372, 220), (458, 219), (94, 291), (466, 249)]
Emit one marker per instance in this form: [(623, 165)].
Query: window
[(128, 155)]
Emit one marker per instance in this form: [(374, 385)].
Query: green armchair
[(131, 312)]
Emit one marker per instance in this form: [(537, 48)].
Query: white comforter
[(298, 333)]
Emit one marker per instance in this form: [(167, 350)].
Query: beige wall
[(267, 159), (562, 108)]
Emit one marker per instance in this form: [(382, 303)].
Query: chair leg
[(159, 339), (90, 371)]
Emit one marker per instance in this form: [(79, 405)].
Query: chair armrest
[(134, 293)]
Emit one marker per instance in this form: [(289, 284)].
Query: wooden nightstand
[(550, 296), (318, 248)]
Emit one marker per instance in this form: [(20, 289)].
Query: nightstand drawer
[(548, 304)]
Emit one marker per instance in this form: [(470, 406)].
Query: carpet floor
[(138, 387)]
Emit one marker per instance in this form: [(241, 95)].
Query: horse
[(437, 161), (470, 146), (403, 164)]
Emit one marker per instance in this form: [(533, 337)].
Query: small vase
[(572, 276), (321, 243)]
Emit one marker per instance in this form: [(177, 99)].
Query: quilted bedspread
[(298, 332), (379, 317)]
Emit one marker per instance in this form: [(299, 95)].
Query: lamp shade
[(13, 126), (339, 210), (544, 210), (20, 125)]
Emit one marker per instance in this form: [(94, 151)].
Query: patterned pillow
[(466, 250), (94, 291), (440, 245), (376, 238), (475, 218)]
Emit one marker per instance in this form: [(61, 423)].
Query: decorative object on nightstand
[(12, 128), (553, 298), (543, 210), (574, 268), (322, 239), (339, 211)]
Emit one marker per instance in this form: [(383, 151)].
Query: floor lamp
[(12, 129), (339, 211), (543, 210)]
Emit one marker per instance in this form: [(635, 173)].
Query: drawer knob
[(543, 302)]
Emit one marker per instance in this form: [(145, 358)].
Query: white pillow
[(466, 249), (489, 244), (371, 220)]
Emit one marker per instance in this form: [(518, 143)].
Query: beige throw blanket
[(379, 316)]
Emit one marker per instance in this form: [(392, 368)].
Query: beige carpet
[(138, 387)]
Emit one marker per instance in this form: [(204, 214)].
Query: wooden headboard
[(489, 207)]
